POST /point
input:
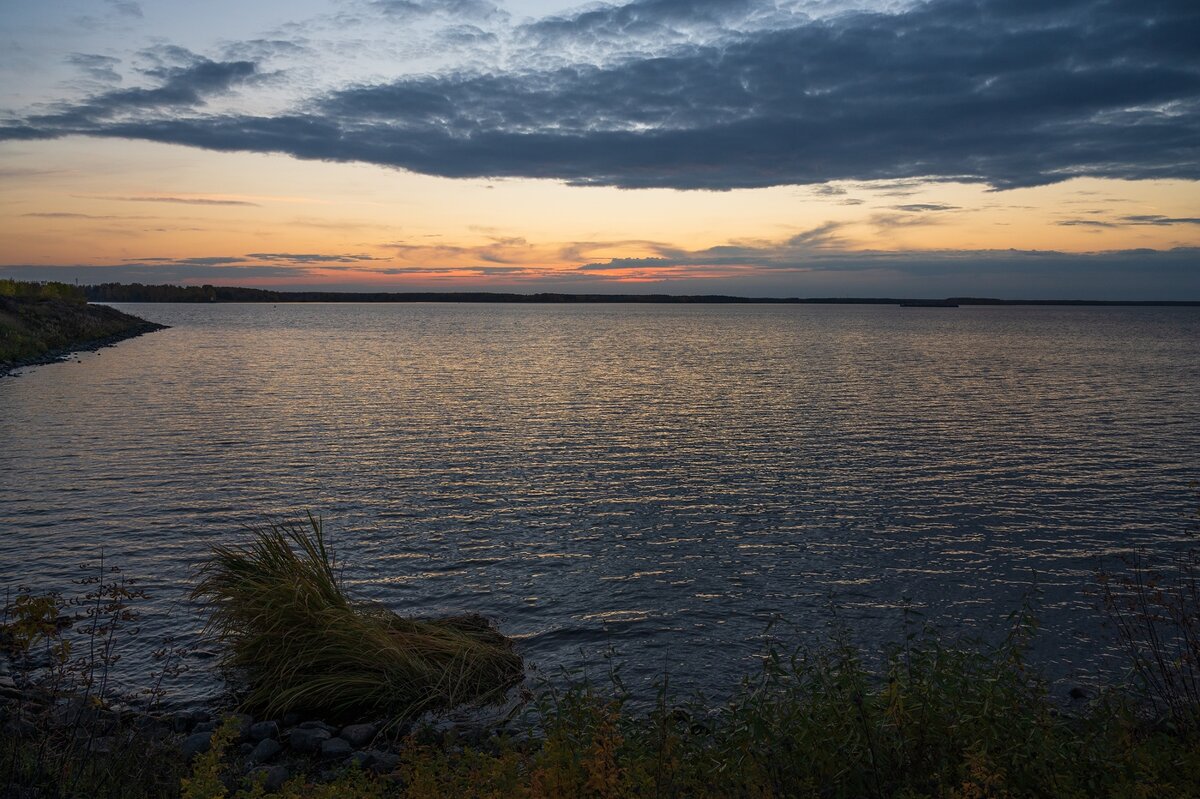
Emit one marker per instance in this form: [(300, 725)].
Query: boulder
[(336, 748), (263, 730), (265, 751), (308, 740), (358, 735), (195, 744), (380, 762)]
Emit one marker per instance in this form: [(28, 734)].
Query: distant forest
[(138, 292)]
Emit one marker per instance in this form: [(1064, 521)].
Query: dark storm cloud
[(1008, 92)]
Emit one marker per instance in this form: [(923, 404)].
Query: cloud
[(1159, 220), (789, 267), (1156, 220), (126, 8), (98, 67), (920, 208), (997, 91), (182, 200), (311, 258), (181, 86)]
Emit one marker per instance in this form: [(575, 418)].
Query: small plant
[(300, 644), (1156, 613), (64, 734)]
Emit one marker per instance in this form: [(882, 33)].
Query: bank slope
[(37, 330)]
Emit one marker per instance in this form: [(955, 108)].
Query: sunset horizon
[(802, 149)]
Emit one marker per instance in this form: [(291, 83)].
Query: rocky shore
[(40, 330)]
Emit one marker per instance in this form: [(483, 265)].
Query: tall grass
[(301, 644)]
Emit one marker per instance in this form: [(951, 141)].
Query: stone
[(263, 730), (308, 740), (265, 751), (1078, 692), (291, 719), (381, 762), (336, 747), (273, 777), (358, 735), (245, 749), (205, 726), (195, 744), (317, 725)]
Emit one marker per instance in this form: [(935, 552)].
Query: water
[(660, 480)]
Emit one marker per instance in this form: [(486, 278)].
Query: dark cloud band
[(1007, 92)]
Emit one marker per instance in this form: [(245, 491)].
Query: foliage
[(41, 291), (1156, 613), (65, 734), (301, 644)]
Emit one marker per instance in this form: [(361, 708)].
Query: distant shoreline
[(118, 292)]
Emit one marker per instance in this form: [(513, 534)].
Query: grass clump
[(301, 644)]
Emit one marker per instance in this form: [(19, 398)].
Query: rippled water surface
[(662, 480)]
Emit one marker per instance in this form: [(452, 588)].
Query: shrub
[(300, 644)]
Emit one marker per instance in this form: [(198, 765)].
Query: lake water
[(661, 480)]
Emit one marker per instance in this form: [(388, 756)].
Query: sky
[(812, 148)]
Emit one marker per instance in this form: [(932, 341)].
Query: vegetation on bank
[(140, 292), (288, 629), (931, 716), (40, 321)]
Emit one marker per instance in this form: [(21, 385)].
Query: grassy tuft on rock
[(301, 644)]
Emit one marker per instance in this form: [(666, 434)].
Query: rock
[(265, 751), (245, 749), (359, 759), (273, 777), (195, 744), (358, 735), (308, 740), (205, 726), (263, 730), (1078, 692), (318, 725), (381, 762), (291, 719), (336, 748)]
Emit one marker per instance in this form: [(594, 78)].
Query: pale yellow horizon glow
[(104, 202)]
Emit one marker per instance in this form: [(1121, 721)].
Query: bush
[(300, 644)]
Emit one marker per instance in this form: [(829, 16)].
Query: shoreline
[(43, 325), (62, 354)]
